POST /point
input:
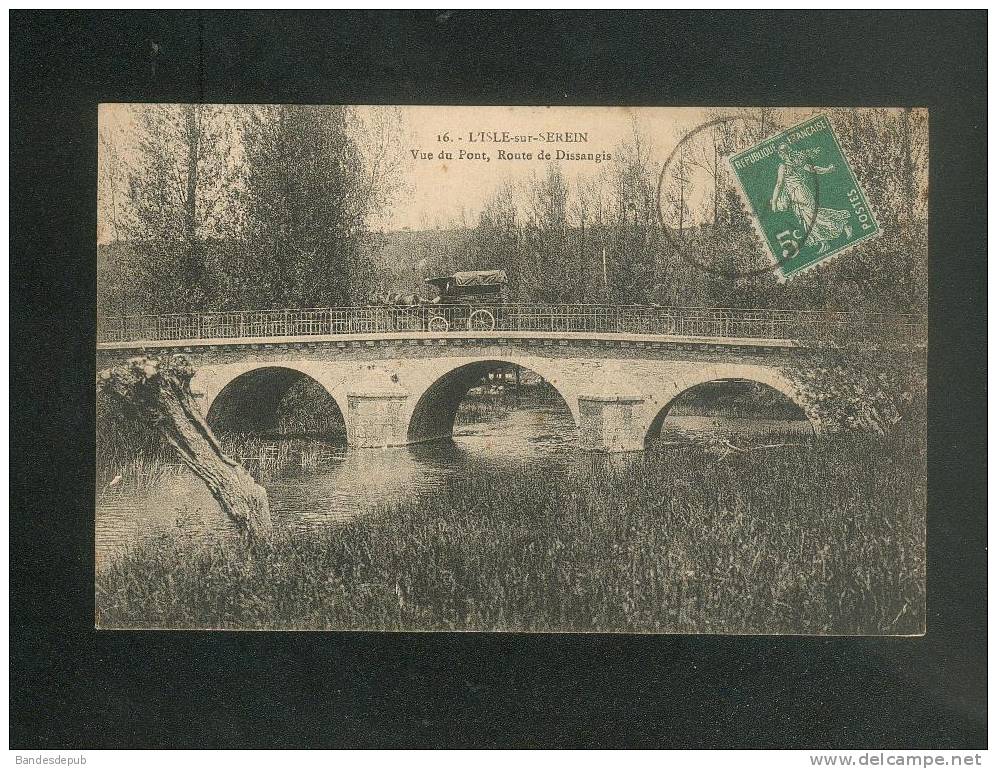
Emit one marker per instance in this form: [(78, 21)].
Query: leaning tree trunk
[(158, 391)]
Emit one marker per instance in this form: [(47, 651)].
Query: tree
[(675, 206), (157, 394), (179, 195), (873, 374), (307, 201), (549, 274), (887, 150), (740, 274), (376, 133), (589, 212), (639, 264), (111, 184), (495, 241), (708, 155)]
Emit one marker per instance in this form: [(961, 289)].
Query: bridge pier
[(376, 418), (610, 423), (400, 387)]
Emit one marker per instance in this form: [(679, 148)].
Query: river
[(321, 483)]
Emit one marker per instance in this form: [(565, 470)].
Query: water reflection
[(315, 488)]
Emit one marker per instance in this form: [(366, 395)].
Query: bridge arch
[(769, 377), (251, 397), (435, 410)]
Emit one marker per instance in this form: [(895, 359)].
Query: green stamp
[(806, 203)]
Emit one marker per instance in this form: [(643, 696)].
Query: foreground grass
[(827, 537)]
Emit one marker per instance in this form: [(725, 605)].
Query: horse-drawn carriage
[(467, 300)]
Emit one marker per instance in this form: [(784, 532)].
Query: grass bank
[(827, 537)]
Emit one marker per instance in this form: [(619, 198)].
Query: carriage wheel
[(438, 323), (481, 320)]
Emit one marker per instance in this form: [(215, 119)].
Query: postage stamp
[(804, 198)]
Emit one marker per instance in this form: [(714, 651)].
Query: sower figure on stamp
[(792, 192)]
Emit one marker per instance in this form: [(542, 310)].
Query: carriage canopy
[(470, 283)]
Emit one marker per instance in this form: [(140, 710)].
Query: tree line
[(215, 208), (232, 208), (266, 207), (631, 235), (617, 238)]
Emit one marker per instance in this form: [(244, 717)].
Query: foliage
[(868, 377), (306, 205), (121, 440), (832, 541), (292, 228), (636, 246), (497, 243), (177, 188), (172, 199), (267, 206), (235, 208), (550, 274), (873, 376)]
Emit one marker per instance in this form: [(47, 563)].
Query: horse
[(407, 321)]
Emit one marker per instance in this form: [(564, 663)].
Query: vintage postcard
[(562, 369)]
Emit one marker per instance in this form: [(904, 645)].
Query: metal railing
[(447, 319)]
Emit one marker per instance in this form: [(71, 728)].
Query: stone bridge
[(396, 388)]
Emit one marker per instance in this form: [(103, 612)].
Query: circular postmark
[(752, 133)]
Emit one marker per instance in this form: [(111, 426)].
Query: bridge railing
[(446, 319)]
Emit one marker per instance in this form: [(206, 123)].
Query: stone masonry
[(406, 389)]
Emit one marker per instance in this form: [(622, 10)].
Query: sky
[(442, 188), (436, 191)]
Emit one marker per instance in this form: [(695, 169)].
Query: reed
[(821, 536)]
